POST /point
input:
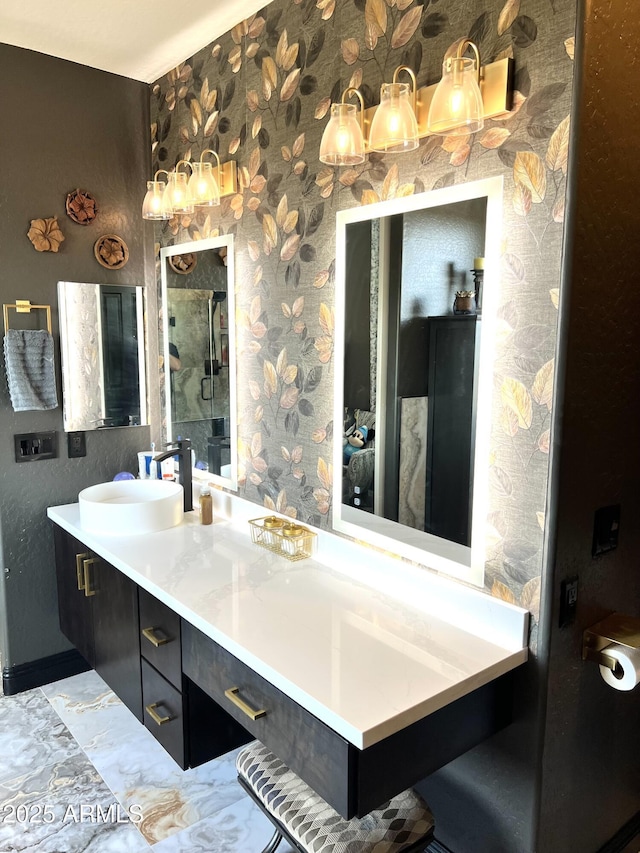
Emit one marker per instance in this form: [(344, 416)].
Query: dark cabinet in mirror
[(103, 362), (412, 336)]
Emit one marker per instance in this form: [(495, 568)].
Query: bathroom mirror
[(198, 311), (102, 349), (416, 290)]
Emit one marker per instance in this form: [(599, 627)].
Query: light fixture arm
[(411, 74), (462, 49), (348, 92), (186, 162), (215, 154), (155, 177)]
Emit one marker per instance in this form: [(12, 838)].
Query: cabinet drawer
[(160, 638), (310, 748), (163, 713)]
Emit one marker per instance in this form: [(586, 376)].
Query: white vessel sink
[(126, 507)]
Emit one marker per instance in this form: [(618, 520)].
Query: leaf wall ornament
[(508, 15), (542, 390), (45, 234), (529, 171), (558, 150), (406, 27), (515, 397), (521, 199)]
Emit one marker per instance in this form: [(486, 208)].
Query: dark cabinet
[(133, 641), (162, 695), (164, 714), (74, 605), (354, 781), (115, 632), (452, 374), (189, 724), (98, 611)]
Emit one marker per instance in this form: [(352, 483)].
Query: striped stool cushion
[(316, 826)]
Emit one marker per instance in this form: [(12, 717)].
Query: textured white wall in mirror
[(422, 251)]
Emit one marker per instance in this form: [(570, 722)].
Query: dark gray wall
[(590, 782), (64, 126), (565, 776)]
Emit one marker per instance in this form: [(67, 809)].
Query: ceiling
[(142, 39)]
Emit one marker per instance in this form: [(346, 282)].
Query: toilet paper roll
[(627, 673)]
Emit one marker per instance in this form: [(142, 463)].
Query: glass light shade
[(152, 205), (203, 187), (456, 107), (175, 198), (342, 142), (394, 127)]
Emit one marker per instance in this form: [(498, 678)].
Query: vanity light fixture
[(394, 127), (203, 186), (342, 142), (468, 94), (456, 107), (175, 198), (152, 205)]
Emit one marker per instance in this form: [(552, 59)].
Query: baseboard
[(25, 676), (624, 836)]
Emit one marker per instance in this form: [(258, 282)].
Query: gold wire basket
[(288, 539)]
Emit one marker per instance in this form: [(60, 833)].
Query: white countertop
[(365, 658)]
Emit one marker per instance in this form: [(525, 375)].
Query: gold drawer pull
[(155, 716), (87, 581), (79, 570), (149, 634), (232, 694)]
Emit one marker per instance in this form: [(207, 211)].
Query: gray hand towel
[(28, 357)]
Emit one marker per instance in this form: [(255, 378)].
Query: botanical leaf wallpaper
[(261, 94)]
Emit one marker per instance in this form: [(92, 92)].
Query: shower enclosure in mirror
[(103, 363), (413, 373), (198, 320)]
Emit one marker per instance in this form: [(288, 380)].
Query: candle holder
[(288, 539), (264, 532), (296, 542), (478, 281), (465, 302)]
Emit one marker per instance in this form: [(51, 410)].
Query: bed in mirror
[(102, 347), (199, 349), (416, 293)]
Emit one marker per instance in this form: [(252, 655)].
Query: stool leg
[(274, 841)]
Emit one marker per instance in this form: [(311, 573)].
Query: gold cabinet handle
[(149, 634), (79, 570), (232, 694), (155, 716), (87, 582)]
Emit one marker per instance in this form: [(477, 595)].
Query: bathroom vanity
[(364, 674)]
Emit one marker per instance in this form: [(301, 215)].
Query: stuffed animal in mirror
[(355, 439)]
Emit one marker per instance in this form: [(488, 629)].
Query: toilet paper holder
[(615, 628)]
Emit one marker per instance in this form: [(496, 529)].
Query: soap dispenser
[(206, 505)]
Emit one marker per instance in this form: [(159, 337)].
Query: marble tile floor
[(79, 774)]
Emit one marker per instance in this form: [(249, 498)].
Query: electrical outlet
[(568, 600), (606, 526), (76, 445)]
